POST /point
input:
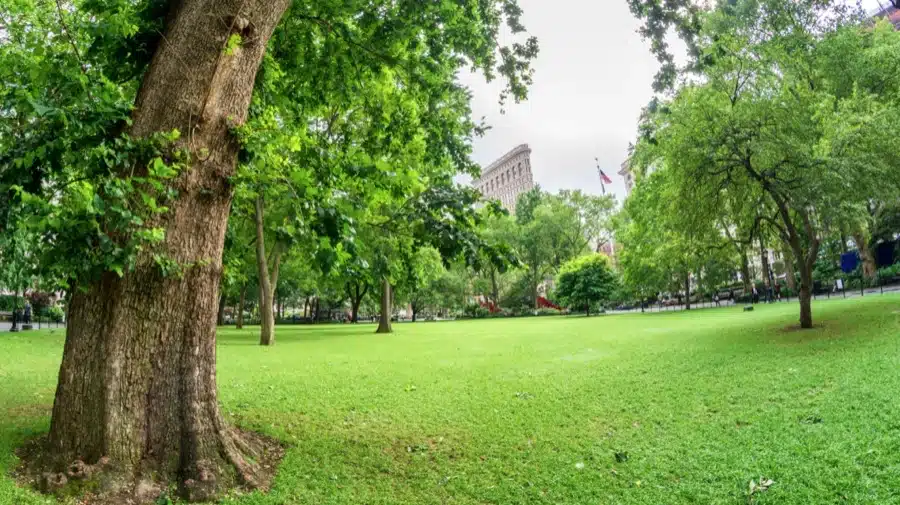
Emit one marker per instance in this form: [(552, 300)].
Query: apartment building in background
[(507, 178)]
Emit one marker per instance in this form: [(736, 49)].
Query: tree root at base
[(252, 459)]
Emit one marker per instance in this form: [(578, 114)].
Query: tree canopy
[(781, 131), (586, 282)]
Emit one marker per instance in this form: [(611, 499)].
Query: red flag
[(604, 178)]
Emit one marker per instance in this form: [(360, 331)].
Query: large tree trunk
[(495, 289), (384, 322), (415, 311), (267, 281), (240, 314), (687, 291), (745, 274), (764, 261), (790, 273), (869, 267), (137, 384), (806, 286)]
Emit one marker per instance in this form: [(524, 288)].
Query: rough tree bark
[(495, 289), (806, 259), (241, 302), (869, 267), (137, 385), (384, 322), (268, 281), (790, 273), (805, 295), (745, 274)]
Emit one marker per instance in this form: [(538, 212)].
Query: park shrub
[(56, 314), (887, 274), (475, 311), (7, 301)]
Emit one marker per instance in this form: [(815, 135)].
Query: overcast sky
[(592, 77)]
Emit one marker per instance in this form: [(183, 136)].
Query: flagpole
[(600, 174)]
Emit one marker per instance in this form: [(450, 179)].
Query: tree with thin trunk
[(387, 309), (356, 296), (241, 307), (268, 276), (220, 318)]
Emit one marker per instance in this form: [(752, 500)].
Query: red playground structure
[(492, 307), (544, 303)]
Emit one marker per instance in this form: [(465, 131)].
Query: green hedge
[(6, 303)]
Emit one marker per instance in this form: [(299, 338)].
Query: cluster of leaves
[(86, 192), (103, 221)]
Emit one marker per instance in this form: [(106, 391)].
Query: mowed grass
[(533, 411)]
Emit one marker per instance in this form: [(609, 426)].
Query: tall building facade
[(627, 176), (507, 178)]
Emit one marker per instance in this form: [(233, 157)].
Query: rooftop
[(523, 148)]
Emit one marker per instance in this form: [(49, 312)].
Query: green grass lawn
[(534, 410)]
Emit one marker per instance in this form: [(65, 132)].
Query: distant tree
[(586, 282), (420, 285)]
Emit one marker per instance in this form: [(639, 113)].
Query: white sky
[(592, 77)]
